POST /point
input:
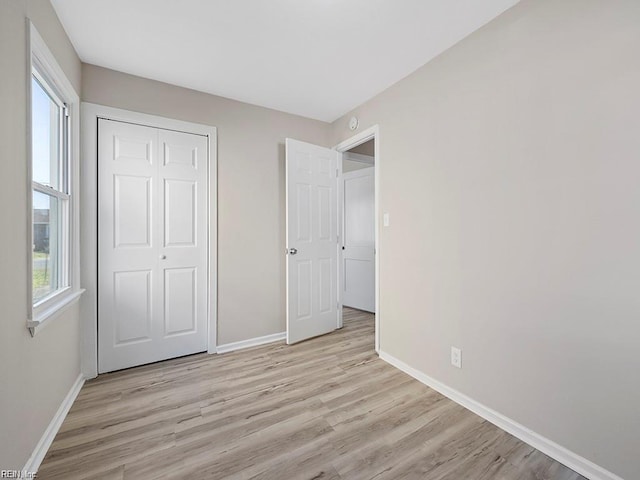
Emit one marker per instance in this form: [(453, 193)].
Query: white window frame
[(51, 76)]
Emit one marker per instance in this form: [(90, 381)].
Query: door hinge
[(337, 173)]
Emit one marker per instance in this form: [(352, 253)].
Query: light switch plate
[(385, 219)]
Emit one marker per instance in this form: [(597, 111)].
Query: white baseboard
[(252, 342), (49, 434), (568, 458)]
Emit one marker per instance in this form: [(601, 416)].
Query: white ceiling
[(315, 58)]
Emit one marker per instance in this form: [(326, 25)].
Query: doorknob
[(163, 257), (292, 251)]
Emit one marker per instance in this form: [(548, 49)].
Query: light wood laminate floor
[(324, 409)]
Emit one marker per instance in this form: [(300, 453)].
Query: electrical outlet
[(456, 357)]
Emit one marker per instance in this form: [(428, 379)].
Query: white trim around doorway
[(348, 144), (89, 221)]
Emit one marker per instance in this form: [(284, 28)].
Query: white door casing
[(358, 255), (152, 244), (312, 240)]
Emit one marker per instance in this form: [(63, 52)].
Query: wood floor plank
[(327, 408)]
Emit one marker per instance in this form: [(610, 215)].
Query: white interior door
[(152, 244), (358, 254), (312, 240)]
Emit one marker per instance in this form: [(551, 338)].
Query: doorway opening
[(315, 191), (359, 211)]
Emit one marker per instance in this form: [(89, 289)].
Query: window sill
[(52, 311)]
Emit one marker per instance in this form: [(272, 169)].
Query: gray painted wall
[(366, 148), (510, 167), (251, 208), (351, 166), (35, 373)]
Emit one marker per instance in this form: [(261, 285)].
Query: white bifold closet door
[(152, 244)]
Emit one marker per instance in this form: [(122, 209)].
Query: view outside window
[(48, 190)]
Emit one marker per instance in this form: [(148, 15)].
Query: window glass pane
[(46, 245), (45, 137)]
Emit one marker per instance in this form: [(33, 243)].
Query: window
[(49, 167), (53, 165)]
